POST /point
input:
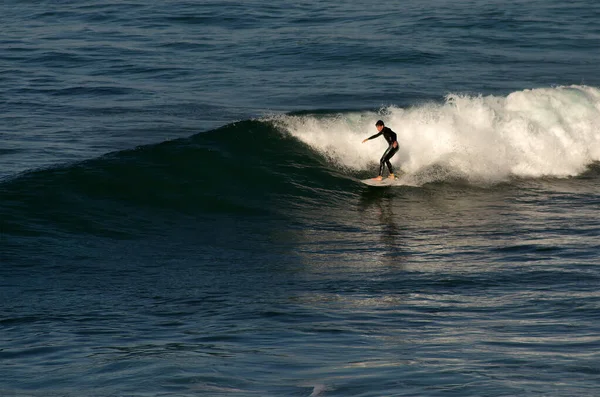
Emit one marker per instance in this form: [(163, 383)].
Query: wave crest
[(530, 133)]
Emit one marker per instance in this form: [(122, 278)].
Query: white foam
[(529, 133), (318, 390)]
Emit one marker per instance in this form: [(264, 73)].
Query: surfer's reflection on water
[(379, 205)]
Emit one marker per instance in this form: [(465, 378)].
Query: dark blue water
[(181, 211)]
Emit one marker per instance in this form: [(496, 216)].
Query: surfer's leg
[(385, 159), (389, 165)]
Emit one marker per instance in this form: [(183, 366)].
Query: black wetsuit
[(390, 137)]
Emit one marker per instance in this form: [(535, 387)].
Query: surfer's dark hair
[(379, 122)]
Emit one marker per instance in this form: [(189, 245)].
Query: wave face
[(551, 132), (243, 168)]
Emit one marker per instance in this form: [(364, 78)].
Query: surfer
[(390, 137)]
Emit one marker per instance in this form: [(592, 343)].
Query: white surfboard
[(387, 182), (375, 182)]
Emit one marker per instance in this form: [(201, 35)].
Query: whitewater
[(536, 133)]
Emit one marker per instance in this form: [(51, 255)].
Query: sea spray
[(530, 133)]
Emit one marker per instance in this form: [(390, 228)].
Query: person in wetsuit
[(390, 137)]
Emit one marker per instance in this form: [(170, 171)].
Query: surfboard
[(383, 182), (389, 182)]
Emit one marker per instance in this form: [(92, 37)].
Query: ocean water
[(181, 212)]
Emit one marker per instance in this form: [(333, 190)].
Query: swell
[(265, 167), (247, 168)]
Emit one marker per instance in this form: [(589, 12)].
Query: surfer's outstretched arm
[(372, 137)]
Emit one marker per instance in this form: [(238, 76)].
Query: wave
[(246, 168), (268, 165), (546, 132)]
